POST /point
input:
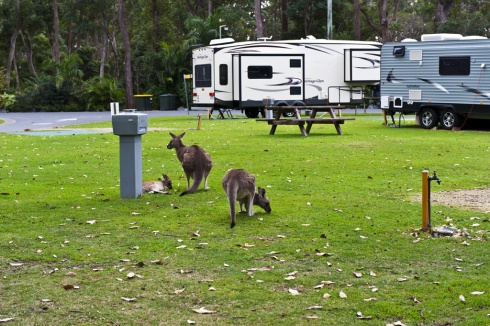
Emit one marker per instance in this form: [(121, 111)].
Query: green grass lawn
[(340, 205)]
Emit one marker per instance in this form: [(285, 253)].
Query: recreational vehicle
[(443, 79), (247, 75)]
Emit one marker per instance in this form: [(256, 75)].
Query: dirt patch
[(477, 198)]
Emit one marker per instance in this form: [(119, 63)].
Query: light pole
[(224, 27)]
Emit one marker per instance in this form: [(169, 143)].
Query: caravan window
[(454, 66), (295, 63), (223, 74), (202, 75), (259, 72)]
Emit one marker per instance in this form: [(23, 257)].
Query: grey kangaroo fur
[(160, 187), (195, 161), (239, 186)]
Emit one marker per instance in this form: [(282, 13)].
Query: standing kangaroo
[(195, 161), (160, 187), (239, 186)]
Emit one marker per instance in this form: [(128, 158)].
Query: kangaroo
[(195, 161), (160, 187), (239, 186)]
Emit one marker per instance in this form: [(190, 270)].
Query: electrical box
[(130, 123)]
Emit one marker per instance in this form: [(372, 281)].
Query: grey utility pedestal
[(129, 126)]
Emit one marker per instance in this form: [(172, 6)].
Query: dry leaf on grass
[(358, 275), (190, 322), (342, 295), (462, 298), (360, 316), (16, 264), (314, 308), (128, 299), (294, 292), (326, 296), (478, 292), (179, 291), (4, 320), (203, 310)]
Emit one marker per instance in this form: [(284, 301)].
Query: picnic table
[(297, 120)]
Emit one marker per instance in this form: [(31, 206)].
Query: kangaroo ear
[(261, 191), (182, 135), (171, 134), (165, 177)]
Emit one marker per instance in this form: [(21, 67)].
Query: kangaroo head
[(176, 141), (262, 201), (166, 181)]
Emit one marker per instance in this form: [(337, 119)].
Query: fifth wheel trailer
[(443, 79), (244, 75)]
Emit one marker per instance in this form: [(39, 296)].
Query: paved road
[(48, 120)]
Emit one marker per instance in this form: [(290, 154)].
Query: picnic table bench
[(300, 122)]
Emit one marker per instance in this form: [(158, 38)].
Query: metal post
[(131, 166), (425, 200)]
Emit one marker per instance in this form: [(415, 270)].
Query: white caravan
[(243, 75), (443, 79)]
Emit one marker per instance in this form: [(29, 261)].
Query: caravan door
[(260, 76)]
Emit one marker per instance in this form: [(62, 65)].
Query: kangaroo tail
[(197, 181)]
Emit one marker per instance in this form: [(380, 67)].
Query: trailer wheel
[(288, 114), (449, 119), (428, 118), (251, 113)]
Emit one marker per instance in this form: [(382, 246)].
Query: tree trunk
[(443, 7), (30, 54), (10, 60), (103, 52), (259, 23), (357, 20), (284, 17), (56, 24), (128, 76)]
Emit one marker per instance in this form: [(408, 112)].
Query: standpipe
[(426, 180)]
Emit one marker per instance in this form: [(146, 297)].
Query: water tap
[(434, 177)]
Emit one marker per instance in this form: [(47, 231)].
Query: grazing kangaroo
[(239, 186), (195, 161), (160, 187)]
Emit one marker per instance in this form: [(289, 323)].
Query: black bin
[(168, 102), (142, 102)]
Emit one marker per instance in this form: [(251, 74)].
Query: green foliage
[(100, 92)]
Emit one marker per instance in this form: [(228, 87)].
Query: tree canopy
[(83, 54)]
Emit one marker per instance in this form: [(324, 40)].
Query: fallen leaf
[(289, 278), (478, 292), (272, 252), (319, 286), (16, 264), (203, 310), (179, 291), (401, 279), (281, 236), (342, 295), (190, 322), (91, 222), (128, 299), (327, 282), (326, 296), (6, 320), (462, 298), (211, 289), (46, 300), (358, 275), (157, 262), (266, 268), (135, 213), (372, 273), (293, 273), (314, 308), (181, 247), (370, 299), (360, 316), (312, 317), (197, 234), (294, 292), (130, 275), (70, 287)]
